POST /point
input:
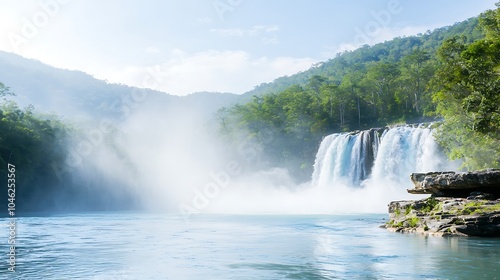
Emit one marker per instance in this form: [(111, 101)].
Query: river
[(164, 246)]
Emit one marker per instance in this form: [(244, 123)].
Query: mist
[(173, 160)]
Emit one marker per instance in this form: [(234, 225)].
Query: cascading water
[(346, 157), (351, 158)]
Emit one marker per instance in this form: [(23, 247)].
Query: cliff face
[(461, 204)]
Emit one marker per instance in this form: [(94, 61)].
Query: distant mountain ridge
[(391, 50), (67, 91)]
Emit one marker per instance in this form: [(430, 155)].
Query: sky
[(210, 45)]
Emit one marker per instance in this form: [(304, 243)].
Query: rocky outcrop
[(446, 216), (457, 184), (465, 203)]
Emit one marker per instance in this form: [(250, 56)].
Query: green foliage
[(431, 205), (399, 224), (472, 207), (393, 50), (408, 209), (52, 171), (474, 204), (4, 91), (487, 209), (32, 143), (398, 212), (468, 211), (412, 222), (369, 94), (406, 80), (467, 93), (479, 207), (293, 117)]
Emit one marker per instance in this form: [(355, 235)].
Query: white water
[(357, 159), (345, 158), (354, 173)]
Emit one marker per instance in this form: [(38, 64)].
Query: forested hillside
[(448, 74), (37, 147), (388, 83), (29, 142), (392, 50), (47, 117), (467, 93), (74, 93)]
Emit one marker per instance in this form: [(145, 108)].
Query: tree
[(352, 82), (376, 86), (381, 78), (416, 72), (5, 91), (314, 83), (467, 95)]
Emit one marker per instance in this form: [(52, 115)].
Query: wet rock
[(446, 216), (461, 203)]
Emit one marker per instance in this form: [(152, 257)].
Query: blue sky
[(210, 45)]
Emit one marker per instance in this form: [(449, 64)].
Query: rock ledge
[(456, 184), (462, 203)]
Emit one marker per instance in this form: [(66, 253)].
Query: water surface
[(153, 246)]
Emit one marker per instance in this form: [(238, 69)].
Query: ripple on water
[(141, 246)]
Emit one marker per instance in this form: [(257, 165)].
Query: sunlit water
[(146, 246)]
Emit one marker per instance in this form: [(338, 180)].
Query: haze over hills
[(138, 140), (73, 93), (157, 140), (69, 92)]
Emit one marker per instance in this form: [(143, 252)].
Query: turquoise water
[(152, 246)]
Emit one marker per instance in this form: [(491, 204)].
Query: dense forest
[(38, 147), (467, 93), (450, 73), (30, 142)]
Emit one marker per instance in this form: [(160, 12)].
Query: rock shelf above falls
[(461, 203)]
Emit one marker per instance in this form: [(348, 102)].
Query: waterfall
[(378, 154)]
